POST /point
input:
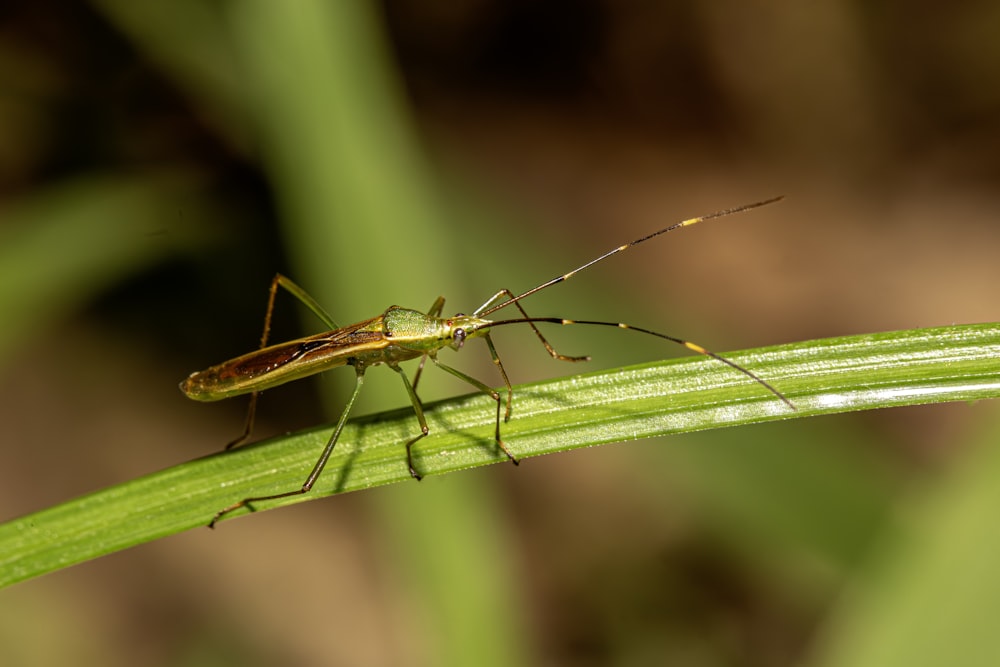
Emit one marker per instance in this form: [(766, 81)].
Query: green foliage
[(820, 377)]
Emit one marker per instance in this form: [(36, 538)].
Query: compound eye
[(459, 336)]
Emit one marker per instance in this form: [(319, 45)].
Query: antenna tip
[(772, 200)]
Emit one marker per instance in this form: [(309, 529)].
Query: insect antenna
[(491, 306), (693, 347)]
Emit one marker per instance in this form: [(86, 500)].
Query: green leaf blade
[(823, 377)]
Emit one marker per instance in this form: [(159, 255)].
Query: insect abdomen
[(266, 368)]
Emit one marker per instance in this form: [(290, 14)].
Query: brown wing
[(284, 362)]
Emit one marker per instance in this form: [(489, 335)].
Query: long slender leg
[(548, 347), (503, 374), (417, 408), (317, 469), (489, 391), (435, 311), (279, 280), (304, 297), (248, 425)]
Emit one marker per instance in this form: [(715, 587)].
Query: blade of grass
[(958, 363)]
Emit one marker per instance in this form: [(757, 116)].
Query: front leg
[(489, 307)]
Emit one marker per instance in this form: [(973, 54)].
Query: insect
[(397, 335)]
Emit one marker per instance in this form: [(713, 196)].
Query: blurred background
[(160, 161)]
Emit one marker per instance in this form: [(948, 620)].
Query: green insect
[(401, 334)]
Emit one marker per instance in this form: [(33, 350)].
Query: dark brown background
[(542, 134)]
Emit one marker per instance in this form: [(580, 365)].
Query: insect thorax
[(425, 333)]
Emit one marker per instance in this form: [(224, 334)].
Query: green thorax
[(425, 333)]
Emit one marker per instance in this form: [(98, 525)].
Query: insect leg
[(503, 374), (303, 297), (248, 425), (435, 311), (488, 391), (279, 280), (317, 469), (417, 408), (437, 307), (488, 306)]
